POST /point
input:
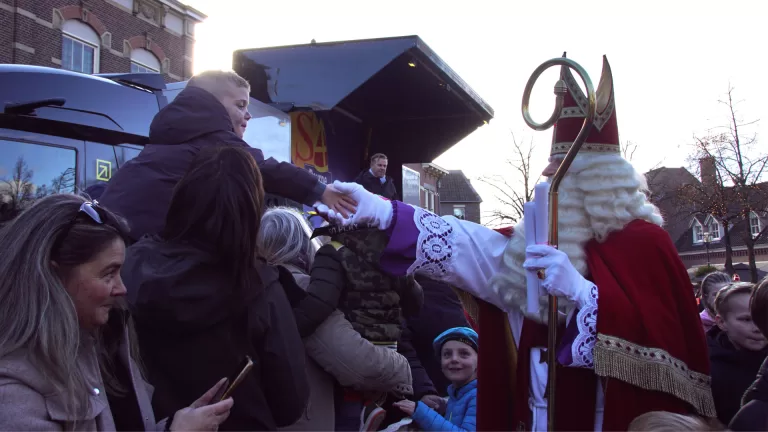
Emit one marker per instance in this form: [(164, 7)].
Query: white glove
[(328, 213), (561, 279), (371, 208)]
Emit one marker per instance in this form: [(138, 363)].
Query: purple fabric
[(564, 355), (400, 252)]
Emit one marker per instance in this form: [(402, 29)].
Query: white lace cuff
[(434, 246), (586, 322)]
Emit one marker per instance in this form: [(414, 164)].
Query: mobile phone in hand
[(233, 380)]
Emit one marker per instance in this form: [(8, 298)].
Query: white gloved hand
[(371, 208), (328, 213), (561, 279)]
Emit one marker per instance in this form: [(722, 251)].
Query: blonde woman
[(68, 358)]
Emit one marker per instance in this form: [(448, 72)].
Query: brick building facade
[(100, 36), (429, 184), (700, 237)]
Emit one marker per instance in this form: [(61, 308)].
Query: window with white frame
[(429, 200), (754, 224), (144, 61), (698, 232), (715, 230), (459, 211), (79, 47)]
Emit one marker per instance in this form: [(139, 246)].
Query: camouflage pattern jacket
[(375, 303)]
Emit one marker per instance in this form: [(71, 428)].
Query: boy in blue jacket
[(457, 348)]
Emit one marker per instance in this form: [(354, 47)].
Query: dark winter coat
[(373, 185), (195, 327), (141, 190), (753, 414), (732, 371), (442, 310)]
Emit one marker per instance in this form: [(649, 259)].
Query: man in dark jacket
[(375, 179), (211, 110)]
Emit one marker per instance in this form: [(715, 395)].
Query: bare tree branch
[(513, 194), (628, 149), (735, 188)]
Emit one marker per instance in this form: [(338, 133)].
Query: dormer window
[(714, 229), (755, 225), (698, 232)]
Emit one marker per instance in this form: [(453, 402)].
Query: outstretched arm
[(462, 254), (466, 255)]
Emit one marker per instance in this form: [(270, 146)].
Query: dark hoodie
[(753, 414), (141, 190), (194, 328), (732, 370)]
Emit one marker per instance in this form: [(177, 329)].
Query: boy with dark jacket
[(211, 110), (736, 349), (753, 414)]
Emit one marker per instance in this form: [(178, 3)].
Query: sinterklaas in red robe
[(649, 351)]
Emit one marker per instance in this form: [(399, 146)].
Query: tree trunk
[(749, 241), (752, 263), (728, 249)]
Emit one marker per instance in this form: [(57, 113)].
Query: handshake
[(347, 203)]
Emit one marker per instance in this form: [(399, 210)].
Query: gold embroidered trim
[(653, 369), (563, 147)]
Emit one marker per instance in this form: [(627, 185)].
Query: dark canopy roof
[(397, 86)]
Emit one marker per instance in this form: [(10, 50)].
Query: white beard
[(600, 194)]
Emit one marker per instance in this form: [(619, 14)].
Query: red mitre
[(604, 137)]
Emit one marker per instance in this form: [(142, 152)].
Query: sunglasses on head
[(88, 208)]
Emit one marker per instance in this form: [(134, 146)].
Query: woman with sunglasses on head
[(203, 301), (68, 356)]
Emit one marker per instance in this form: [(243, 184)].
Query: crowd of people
[(135, 306)]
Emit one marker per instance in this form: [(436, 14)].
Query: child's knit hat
[(462, 334)]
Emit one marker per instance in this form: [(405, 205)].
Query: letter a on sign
[(103, 170)]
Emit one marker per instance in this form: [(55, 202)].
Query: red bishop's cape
[(650, 354)]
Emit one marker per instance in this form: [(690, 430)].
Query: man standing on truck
[(375, 179), (211, 110)]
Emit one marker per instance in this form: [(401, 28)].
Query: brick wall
[(34, 35), (7, 18)]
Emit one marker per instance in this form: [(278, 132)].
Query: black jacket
[(313, 306), (194, 328), (732, 370), (442, 310), (373, 185), (753, 414), (141, 190)]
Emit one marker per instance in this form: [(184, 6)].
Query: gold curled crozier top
[(560, 90)]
